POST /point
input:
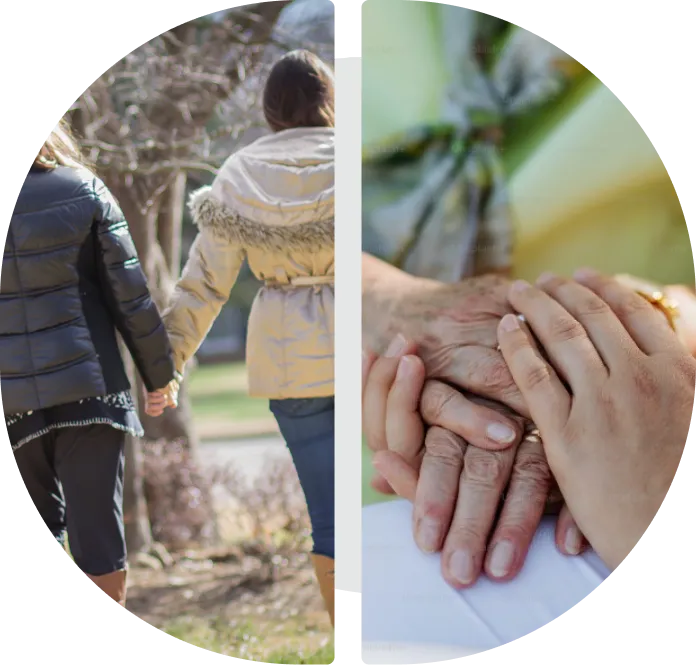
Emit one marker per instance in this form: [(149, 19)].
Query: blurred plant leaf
[(525, 133)]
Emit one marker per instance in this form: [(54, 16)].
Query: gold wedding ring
[(660, 301), (532, 434)]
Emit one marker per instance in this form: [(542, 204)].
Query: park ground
[(238, 599)]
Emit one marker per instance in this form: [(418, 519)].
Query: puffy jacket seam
[(53, 370), (26, 322), (57, 326), (38, 292), (44, 250), (84, 197)]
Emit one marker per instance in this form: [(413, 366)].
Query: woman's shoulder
[(298, 146)]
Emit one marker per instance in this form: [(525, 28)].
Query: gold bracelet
[(660, 301)]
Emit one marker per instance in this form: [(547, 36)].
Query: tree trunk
[(170, 222), (135, 514)]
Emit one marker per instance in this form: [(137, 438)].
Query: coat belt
[(310, 280)]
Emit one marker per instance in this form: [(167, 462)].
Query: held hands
[(475, 453), (156, 402), (457, 481), (603, 463)]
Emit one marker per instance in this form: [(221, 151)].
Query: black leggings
[(74, 476)]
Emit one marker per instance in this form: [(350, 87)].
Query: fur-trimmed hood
[(276, 193)]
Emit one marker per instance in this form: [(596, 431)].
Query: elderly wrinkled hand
[(457, 488)]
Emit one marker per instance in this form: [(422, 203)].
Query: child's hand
[(156, 402)]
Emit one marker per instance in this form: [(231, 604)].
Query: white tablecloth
[(409, 611)]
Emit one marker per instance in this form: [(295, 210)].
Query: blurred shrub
[(269, 508), (194, 505), (174, 484)]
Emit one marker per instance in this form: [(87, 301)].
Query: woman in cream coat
[(273, 204)]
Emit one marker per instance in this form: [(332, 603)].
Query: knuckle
[(536, 376), (468, 531), (565, 329), (628, 307), (435, 511), (533, 468), (435, 399), (592, 306), (492, 377), (444, 447), (485, 467), (517, 526)]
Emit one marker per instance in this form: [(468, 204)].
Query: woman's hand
[(156, 402), (457, 488), (613, 401)]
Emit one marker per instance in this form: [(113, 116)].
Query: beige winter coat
[(273, 204)]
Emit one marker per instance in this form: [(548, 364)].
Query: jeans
[(307, 425)]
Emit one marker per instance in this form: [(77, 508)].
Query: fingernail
[(585, 273), (462, 567), (545, 277), (428, 534), (405, 369), (573, 540), (397, 347), (501, 559), (501, 433), (509, 323), (520, 285)]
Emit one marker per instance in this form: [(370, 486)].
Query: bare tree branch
[(181, 101)]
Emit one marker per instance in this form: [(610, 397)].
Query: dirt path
[(240, 600), (227, 583), (244, 604)]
